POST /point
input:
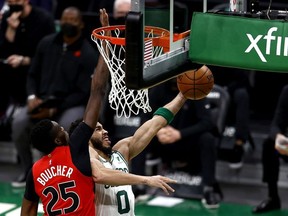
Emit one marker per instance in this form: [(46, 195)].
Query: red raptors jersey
[(59, 184)]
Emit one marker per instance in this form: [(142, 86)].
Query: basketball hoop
[(123, 100)]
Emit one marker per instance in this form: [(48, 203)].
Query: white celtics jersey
[(115, 200)]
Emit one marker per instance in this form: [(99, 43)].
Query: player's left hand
[(281, 144), (161, 182)]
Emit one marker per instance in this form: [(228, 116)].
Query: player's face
[(60, 133), (100, 139)]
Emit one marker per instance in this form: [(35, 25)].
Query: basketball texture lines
[(196, 84)]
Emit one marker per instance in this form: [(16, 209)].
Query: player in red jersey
[(62, 178)]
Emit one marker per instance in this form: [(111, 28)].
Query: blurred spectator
[(22, 27), (188, 140), (236, 81), (271, 157), (121, 8), (58, 83)]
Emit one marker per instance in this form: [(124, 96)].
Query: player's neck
[(104, 156)]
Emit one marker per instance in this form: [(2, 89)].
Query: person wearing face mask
[(22, 27), (58, 83), (120, 11)]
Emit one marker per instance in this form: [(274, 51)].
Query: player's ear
[(58, 141)]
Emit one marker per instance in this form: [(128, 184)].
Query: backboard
[(142, 73)]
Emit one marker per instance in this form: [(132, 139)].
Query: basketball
[(196, 84)]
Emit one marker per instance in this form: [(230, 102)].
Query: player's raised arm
[(144, 134), (98, 84)]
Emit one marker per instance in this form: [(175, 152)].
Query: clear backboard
[(145, 68), (148, 50)]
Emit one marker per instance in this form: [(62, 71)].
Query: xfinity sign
[(239, 42), (270, 40)]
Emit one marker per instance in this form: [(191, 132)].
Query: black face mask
[(69, 30), (15, 8)]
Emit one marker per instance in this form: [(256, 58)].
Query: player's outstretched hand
[(161, 182)]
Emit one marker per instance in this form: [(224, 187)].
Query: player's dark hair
[(41, 136), (73, 125)]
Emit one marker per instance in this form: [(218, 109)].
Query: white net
[(123, 100)]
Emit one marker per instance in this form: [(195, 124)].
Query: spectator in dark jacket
[(22, 27), (58, 83), (271, 158)]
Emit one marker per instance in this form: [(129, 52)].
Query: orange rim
[(160, 35), (119, 41), (157, 33)]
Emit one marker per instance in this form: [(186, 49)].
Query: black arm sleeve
[(79, 148), (30, 193)]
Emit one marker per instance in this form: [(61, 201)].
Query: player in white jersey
[(117, 192), (120, 200), (115, 200)]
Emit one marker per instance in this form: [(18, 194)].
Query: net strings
[(121, 99)]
